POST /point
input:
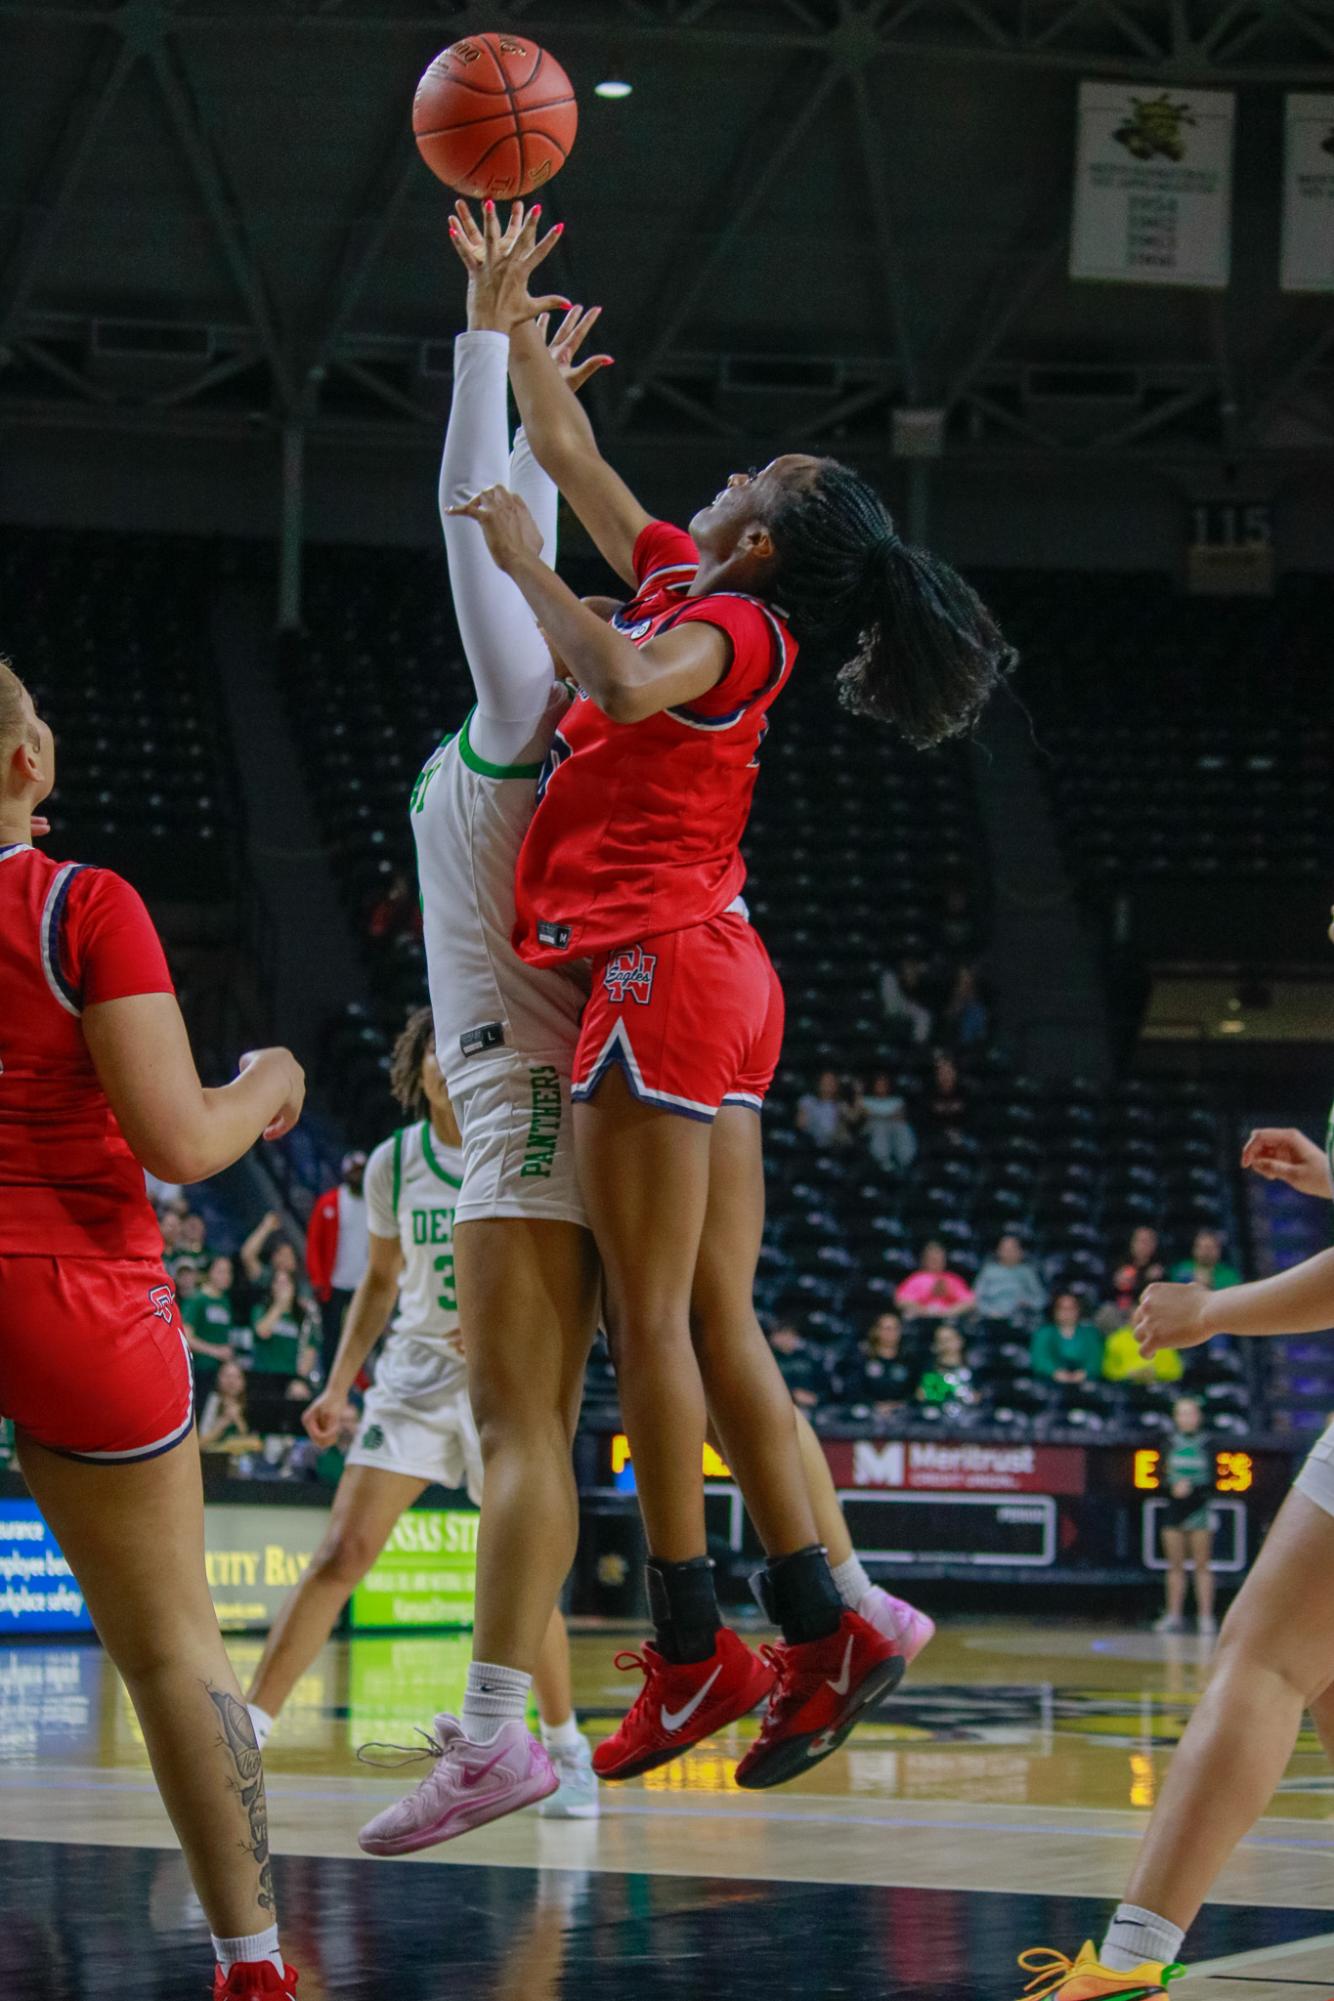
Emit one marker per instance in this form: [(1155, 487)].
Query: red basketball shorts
[(93, 1357), (694, 1018)]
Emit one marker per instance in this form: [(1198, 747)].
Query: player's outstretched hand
[(500, 266), (1281, 1153), (1171, 1316), (506, 522), (290, 1077), (563, 346), (321, 1418)]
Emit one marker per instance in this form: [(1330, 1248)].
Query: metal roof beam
[(59, 176), (223, 210)]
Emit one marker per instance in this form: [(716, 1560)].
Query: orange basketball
[(495, 115)]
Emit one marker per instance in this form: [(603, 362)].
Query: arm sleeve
[(509, 660), (379, 1186), (107, 942), (538, 491), (664, 554)]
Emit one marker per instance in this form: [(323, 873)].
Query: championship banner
[(1153, 186), (1308, 195)]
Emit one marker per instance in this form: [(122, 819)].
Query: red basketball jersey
[(638, 826), (69, 936)]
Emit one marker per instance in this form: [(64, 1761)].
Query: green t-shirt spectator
[(278, 1355), (208, 1317), (1053, 1348), (1222, 1275)]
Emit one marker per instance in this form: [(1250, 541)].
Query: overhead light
[(612, 87)]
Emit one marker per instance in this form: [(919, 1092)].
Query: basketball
[(495, 116)]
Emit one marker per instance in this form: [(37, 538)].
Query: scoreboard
[(998, 1506)]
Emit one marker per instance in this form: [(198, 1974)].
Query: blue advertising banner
[(37, 1592)]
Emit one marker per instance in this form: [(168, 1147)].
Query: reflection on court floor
[(993, 1804)]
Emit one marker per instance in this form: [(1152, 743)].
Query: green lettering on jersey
[(544, 1123)]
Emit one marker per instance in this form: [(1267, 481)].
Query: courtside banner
[(1153, 185), (919, 1465), (38, 1593), (253, 1557), (426, 1575), (1308, 194)]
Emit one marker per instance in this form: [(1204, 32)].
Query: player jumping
[(471, 808), (632, 861), (417, 1424), (97, 1082)]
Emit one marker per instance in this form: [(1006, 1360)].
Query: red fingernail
[(489, 207), (536, 209), (558, 229)]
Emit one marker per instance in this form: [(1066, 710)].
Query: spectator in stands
[(1008, 1285), (966, 1021), (224, 1425), (169, 1222), (947, 1378), (900, 996), (947, 1102), (1066, 1349), (396, 912), (282, 1330), (191, 1245), (209, 1323), (1187, 1519), (802, 1367), (822, 1114), (934, 1292), (265, 1251), (1205, 1265), (338, 1246), (876, 1377), (1141, 1266), (890, 1140), (1122, 1361)]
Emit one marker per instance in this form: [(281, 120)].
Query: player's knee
[(345, 1555)]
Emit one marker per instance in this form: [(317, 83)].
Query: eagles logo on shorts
[(628, 975)]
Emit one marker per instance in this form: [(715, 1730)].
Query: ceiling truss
[(307, 371)]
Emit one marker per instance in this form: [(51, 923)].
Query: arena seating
[(1187, 746), (110, 631)]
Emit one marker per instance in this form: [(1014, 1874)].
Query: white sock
[(852, 1581), (1136, 1935), (562, 1736), (262, 1722), (494, 1696), (249, 1951)]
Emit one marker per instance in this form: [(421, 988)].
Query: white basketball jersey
[(469, 819), (412, 1190)]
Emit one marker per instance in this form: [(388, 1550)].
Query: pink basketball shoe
[(468, 1785), (897, 1620)]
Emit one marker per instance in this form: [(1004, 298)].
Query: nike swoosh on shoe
[(844, 1682), (673, 1720)]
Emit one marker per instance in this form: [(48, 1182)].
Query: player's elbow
[(623, 702), (173, 1159)]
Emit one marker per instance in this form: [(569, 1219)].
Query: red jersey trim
[(692, 717)]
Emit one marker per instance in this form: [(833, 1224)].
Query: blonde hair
[(14, 724)]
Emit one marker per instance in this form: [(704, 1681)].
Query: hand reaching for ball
[(500, 266)]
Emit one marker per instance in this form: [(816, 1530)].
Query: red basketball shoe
[(259, 1980), (681, 1703), (821, 1689)]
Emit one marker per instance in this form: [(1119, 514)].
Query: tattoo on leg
[(238, 1740)]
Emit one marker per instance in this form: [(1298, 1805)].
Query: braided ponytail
[(405, 1065), (917, 646)]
